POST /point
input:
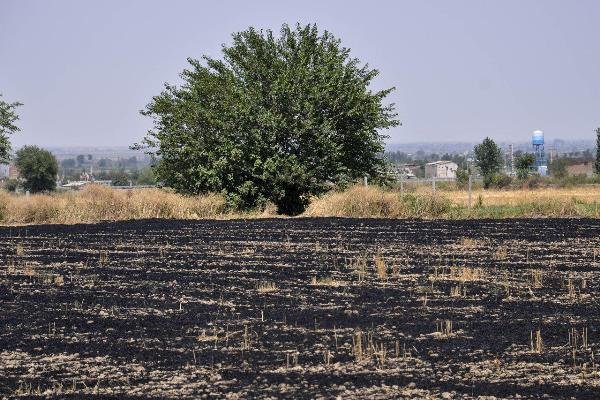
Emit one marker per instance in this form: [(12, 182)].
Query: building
[(441, 170), (13, 171), (3, 171)]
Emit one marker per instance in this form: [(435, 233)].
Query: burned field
[(301, 308)]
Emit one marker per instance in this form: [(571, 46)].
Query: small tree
[(146, 177), (597, 164), (558, 167), (38, 167), (488, 158), (524, 163), (120, 178), (8, 117), (462, 176)]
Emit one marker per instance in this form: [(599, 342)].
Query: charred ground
[(301, 308)]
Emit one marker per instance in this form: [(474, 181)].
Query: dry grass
[(326, 281), (266, 287), (459, 274), (357, 201), (99, 203), (493, 197), (380, 266), (469, 243), (372, 201)]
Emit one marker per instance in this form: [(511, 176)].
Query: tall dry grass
[(375, 202), (511, 197), (98, 203), (372, 201)]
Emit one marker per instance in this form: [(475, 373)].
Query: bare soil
[(301, 308)]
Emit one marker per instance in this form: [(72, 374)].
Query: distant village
[(571, 158), (121, 167), (115, 167)]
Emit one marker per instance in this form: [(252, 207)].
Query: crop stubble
[(301, 308)]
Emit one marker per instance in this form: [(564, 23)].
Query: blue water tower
[(537, 140)]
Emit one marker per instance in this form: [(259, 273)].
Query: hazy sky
[(462, 69)]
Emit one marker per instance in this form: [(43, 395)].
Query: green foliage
[(462, 176), (558, 168), (11, 185), (38, 167), (146, 177), (277, 119), (120, 178), (524, 163), (68, 163), (488, 157), (496, 180), (597, 163), (8, 117)]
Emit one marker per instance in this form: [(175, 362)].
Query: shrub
[(462, 177), (534, 181), (497, 180), (11, 185)]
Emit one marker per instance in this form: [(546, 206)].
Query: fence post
[(433, 184), (469, 191), (402, 185), (365, 181)]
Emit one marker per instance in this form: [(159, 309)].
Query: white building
[(441, 170), (3, 171)]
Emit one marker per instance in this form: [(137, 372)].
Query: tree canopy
[(488, 158), (276, 119), (38, 167), (524, 163), (8, 118)]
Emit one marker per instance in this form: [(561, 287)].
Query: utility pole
[(402, 182), (511, 158), (470, 184)]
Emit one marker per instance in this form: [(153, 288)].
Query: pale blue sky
[(462, 69)]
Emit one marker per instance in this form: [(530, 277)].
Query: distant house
[(586, 168), (441, 170), (13, 171), (3, 171)]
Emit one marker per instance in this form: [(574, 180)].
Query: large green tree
[(488, 158), (8, 118), (38, 167), (276, 119)]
